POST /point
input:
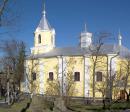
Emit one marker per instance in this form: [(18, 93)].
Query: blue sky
[(69, 16)]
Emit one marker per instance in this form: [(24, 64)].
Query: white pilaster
[(113, 63), (113, 66), (26, 74), (41, 78), (62, 74), (86, 75)]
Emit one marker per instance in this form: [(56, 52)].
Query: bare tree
[(96, 56), (7, 13), (101, 77), (55, 87), (9, 17), (102, 88), (31, 75), (124, 75), (3, 5), (13, 62), (20, 64), (14, 54)]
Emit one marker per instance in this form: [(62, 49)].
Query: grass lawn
[(98, 108), (17, 107), (76, 107)]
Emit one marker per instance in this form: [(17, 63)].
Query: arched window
[(98, 76), (39, 38), (77, 76)]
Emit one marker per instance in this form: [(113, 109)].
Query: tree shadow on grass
[(24, 109)]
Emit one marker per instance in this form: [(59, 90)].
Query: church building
[(86, 70)]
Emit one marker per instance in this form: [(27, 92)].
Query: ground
[(116, 107), (74, 107), (16, 107)]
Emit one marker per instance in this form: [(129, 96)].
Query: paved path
[(2, 101), (127, 110), (3, 104)]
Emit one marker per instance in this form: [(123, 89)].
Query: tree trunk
[(19, 84), (8, 89), (8, 97), (104, 105), (0, 90), (103, 100), (93, 85), (127, 95)]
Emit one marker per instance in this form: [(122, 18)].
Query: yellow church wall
[(71, 64), (39, 50), (31, 66), (101, 66), (116, 90), (122, 67), (46, 42), (77, 65), (45, 38), (50, 65)]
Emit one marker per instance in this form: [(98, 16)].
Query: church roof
[(78, 51), (44, 24)]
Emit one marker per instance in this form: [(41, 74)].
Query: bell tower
[(44, 36), (85, 38)]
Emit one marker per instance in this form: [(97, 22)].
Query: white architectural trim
[(41, 78), (113, 66), (53, 35), (37, 48), (62, 74), (26, 83), (86, 76)]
